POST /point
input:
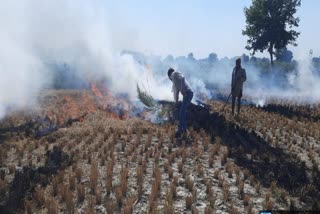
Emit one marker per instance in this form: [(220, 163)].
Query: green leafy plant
[(145, 98)]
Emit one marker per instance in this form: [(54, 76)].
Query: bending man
[(180, 84)]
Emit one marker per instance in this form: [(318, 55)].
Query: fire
[(96, 91), (64, 105)]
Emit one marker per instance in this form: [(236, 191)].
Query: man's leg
[(239, 103), (182, 116), (183, 111), (187, 101), (233, 102)]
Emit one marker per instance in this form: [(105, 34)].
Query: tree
[(213, 57), (270, 25), (191, 57), (244, 58), (284, 55)]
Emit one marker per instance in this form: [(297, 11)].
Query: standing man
[(238, 78), (180, 84)]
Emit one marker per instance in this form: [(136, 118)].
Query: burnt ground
[(261, 160), (307, 113), (27, 178)]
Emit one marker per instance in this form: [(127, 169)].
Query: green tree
[(270, 25), (284, 55)]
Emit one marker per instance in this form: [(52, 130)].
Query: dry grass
[(211, 162), (173, 190), (208, 210), (241, 189), (189, 184), (226, 191), (268, 196), (229, 169), (94, 175), (55, 184), (52, 206), (72, 182), (246, 174), (269, 205), (273, 186), (169, 208), (90, 206), (119, 197), (170, 173), (209, 188), (29, 207), (246, 200), (166, 166), (98, 196), (258, 187), (110, 206), (128, 207), (2, 175), (70, 205), (109, 175), (233, 210), (200, 170), (216, 174), (189, 202), (205, 171), (80, 193), (124, 180), (180, 167), (12, 169), (250, 209), (39, 196)]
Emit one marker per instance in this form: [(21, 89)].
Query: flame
[(96, 91), (62, 105)]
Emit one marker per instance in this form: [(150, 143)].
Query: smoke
[(292, 83), (78, 34), (305, 80), (21, 71), (83, 36)]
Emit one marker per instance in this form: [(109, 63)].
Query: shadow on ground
[(250, 151), (26, 179)]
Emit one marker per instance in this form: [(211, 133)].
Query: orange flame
[(96, 91), (71, 104)]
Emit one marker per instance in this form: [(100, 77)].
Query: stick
[(226, 102)]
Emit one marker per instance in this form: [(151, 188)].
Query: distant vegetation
[(67, 77)]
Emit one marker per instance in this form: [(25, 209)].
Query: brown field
[(103, 163)]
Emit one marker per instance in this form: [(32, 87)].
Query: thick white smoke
[(76, 33), (21, 70), (306, 82), (81, 34)]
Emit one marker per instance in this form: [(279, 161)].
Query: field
[(97, 161)]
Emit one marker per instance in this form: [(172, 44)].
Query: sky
[(203, 26)]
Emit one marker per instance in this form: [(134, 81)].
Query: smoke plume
[(81, 35)]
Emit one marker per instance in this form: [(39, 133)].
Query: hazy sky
[(201, 27)]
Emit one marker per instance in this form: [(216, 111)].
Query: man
[(238, 78), (181, 85)]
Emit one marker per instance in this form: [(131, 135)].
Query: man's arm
[(175, 82), (244, 75), (176, 96), (232, 80), (175, 93)]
